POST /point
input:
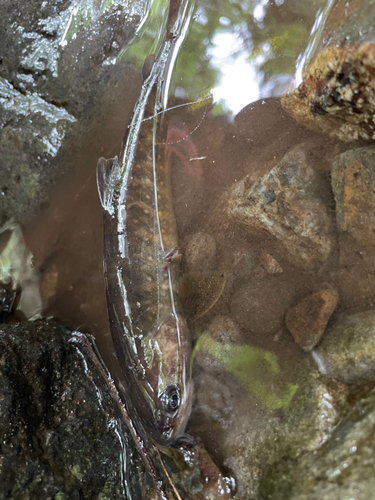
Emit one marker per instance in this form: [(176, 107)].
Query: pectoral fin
[(107, 176)]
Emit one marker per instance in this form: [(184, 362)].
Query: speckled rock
[(342, 469), (337, 95), (353, 185), (261, 304), (61, 436), (286, 203), (200, 253), (270, 264), (347, 350), (308, 319)]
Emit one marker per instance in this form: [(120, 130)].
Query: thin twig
[(168, 477)]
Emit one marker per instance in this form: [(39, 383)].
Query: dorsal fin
[(107, 175)]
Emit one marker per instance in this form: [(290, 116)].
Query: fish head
[(169, 385)]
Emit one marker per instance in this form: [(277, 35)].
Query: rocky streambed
[(278, 281)]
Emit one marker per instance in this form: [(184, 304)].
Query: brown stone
[(308, 319), (270, 264), (337, 95)]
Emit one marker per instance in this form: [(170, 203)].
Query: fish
[(141, 269)]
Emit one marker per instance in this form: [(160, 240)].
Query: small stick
[(93, 354), (168, 477)]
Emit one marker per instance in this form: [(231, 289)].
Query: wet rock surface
[(286, 203), (308, 319), (53, 74), (61, 436), (337, 95), (353, 185), (347, 351), (341, 469)]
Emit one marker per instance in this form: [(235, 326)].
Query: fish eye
[(171, 399)]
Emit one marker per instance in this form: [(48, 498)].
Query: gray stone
[(286, 204), (261, 304), (342, 469), (347, 350)]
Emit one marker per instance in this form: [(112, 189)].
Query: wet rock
[(261, 304), (347, 350), (337, 95), (61, 437), (353, 185), (343, 468), (286, 203), (199, 475), (308, 319), (200, 253), (200, 293), (54, 68), (251, 438), (270, 264), (223, 329), (216, 486)]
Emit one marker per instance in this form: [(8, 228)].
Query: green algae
[(257, 370)]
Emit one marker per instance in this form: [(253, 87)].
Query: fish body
[(151, 337)]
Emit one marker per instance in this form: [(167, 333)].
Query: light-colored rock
[(337, 95), (286, 204), (347, 350)]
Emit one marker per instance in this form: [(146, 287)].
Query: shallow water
[(227, 128)]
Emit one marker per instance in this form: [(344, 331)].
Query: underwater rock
[(200, 253), (337, 95), (353, 185), (343, 468), (261, 304), (270, 264), (223, 329), (252, 438), (308, 319), (61, 437), (286, 204), (347, 350)]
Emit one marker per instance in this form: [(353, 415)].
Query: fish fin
[(107, 175)]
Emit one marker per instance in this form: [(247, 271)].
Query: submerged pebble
[(308, 319), (200, 253)]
